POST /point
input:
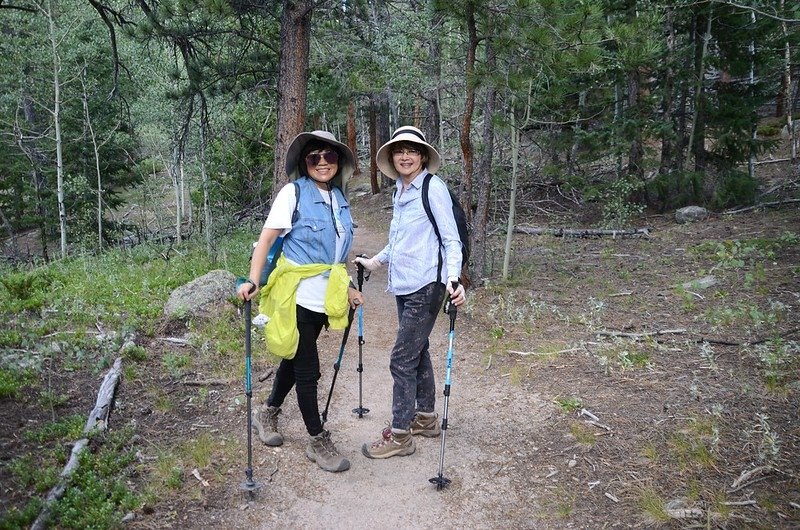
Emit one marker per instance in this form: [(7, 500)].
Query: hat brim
[(346, 162), (385, 164)]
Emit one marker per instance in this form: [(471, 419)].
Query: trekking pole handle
[(241, 280), (449, 307), (362, 276)]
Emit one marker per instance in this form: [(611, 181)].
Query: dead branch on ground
[(97, 421), (583, 232)]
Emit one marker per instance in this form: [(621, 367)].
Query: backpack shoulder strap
[(296, 213), (426, 203)]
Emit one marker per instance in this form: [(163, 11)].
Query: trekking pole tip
[(250, 488), (440, 482), (360, 411)]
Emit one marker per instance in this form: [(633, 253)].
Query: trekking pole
[(249, 485), (450, 309), (360, 410), (337, 364)]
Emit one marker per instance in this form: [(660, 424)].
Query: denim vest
[(313, 235)]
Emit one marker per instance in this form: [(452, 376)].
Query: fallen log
[(637, 336), (97, 420), (583, 232), (762, 205)]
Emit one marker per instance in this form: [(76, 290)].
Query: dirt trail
[(394, 492)]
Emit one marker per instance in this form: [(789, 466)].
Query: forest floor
[(590, 390)]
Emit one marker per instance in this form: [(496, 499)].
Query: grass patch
[(165, 475), (563, 503), (67, 429), (176, 363), (199, 450), (15, 518), (98, 496), (779, 362), (652, 505), (39, 473), (582, 433), (569, 404), (626, 355), (650, 452), (690, 451), (737, 253), (12, 381)]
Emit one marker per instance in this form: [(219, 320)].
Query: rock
[(201, 295), (691, 213), (701, 283)]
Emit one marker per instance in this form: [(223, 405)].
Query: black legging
[(302, 371)]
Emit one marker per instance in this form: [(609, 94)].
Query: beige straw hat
[(406, 134)]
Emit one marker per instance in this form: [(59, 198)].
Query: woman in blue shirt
[(419, 286)]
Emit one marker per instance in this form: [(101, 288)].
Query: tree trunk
[(667, 140), (787, 83), (373, 145), (480, 268), (206, 190), (38, 178), (62, 212), (433, 117), (292, 81), (636, 150), (697, 135), (751, 161), (382, 128), (465, 195), (96, 150), (512, 201), (352, 133), (174, 172)]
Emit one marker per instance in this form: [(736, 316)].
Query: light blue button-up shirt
[(413, 249)]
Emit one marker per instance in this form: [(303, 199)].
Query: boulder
[(201, 295), (689, 214)]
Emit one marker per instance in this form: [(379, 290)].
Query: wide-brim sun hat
[(346, 159), (406, 134)]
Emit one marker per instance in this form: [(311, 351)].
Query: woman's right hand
[(371, 264), (247, 290)]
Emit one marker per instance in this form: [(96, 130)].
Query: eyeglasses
[(313, 159), (406, 152)]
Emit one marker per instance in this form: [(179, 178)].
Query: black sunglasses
[(331, 157)]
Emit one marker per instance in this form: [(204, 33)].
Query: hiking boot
[(321, 450), (391, 443), (265, 422), (426, 424)]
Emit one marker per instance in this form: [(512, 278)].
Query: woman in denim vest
[(419, 284), (319, 233)]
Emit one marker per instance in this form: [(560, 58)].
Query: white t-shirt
[(311, 291)]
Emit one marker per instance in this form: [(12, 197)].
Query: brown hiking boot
[(266, 423), (390, 444), (426, 424), (321, 450)]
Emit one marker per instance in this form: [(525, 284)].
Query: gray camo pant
[(410, 364)]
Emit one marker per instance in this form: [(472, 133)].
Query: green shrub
[(98, 497), (11, 381), (14, 518), (27, 291), (734, 188)]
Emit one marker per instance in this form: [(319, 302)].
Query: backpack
[(461, 222), (277, 247)]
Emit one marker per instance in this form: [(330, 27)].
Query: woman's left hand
[(458, 295), (355, 297)]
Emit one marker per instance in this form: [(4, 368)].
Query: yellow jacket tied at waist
[(278, 302)]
